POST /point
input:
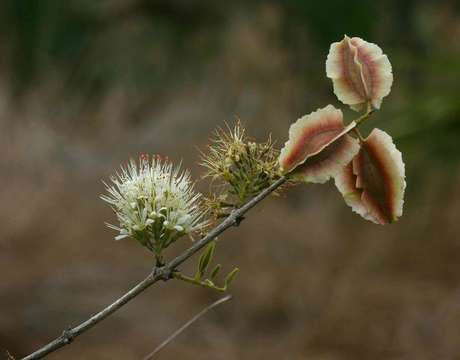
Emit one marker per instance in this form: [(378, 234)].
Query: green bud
[(205, 259), (231, 276), (215, 271)]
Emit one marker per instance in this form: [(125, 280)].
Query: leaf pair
[(370, 174)]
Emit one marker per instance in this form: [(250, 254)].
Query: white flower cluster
[(155, 203)]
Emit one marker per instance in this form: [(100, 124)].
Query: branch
[(158, 273), (186, 325)]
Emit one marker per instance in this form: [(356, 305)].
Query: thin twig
[(199, 282), (358, 134), (186, 325), (158, 273)]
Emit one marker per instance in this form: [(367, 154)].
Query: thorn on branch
[(238, 220), (163, 273), (67, 335)]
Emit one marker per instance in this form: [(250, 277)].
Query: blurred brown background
[(84, 85)]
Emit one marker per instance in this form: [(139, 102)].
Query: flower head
[(240, 166), (155, 203), (360, 72)]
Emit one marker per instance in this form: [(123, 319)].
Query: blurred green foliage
[(330, 20), (142, 45)]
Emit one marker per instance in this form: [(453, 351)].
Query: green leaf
[(231, 276), (215, 271), (205, 259)]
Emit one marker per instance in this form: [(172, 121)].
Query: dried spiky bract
[(360, 72), (238, 167)]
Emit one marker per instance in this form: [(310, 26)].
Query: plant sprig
[(200, 275)]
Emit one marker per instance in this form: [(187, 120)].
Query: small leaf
[(320, 167), (205, 259), (374, 183), (215, 271), (318, 146), (230, 277), (360, 72)]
